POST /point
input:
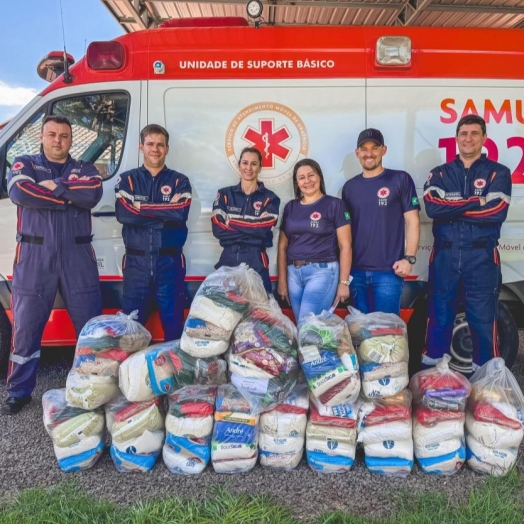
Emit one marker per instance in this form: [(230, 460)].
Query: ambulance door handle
[(103, 214)]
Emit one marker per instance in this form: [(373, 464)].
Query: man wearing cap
[(385, 226)]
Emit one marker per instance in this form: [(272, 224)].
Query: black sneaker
[(14, 404)]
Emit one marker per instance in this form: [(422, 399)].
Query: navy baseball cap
[(370, 135)]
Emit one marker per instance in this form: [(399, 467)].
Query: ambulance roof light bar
[(393, 51), (105, 56)]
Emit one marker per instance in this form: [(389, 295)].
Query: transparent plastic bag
[(384, 410), (263, 357), (369, 325), (328, 359), (440, 388), (114, 332), (89, 391), (220, 303)]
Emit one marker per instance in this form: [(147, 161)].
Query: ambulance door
[(210, 122)]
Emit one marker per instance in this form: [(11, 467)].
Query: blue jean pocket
[(323, 265)]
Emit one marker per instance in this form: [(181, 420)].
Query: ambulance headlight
[(393, 51), (105, 56)]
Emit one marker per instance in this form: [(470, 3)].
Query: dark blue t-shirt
[(311, 229), (377, 206)]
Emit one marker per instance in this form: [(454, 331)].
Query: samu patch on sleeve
[(414, 201), (347, 216)]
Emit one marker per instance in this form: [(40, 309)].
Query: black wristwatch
[(411, 259)]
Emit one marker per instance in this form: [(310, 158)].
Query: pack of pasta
[(234, 444), (282, 430), (103, 344), (385, 430), (77, 434), (137, 433), (328, 359), (381, 339), (331, 436), (494, 417), (263, 356), (439, 401), (219, 305), (189, 425)]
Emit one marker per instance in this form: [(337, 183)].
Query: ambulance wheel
[(5, 341), (462, 346)]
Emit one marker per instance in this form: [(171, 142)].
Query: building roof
[(134, 15)]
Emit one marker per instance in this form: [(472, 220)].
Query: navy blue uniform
[(465, 264), (53, 253), (377, 206), (244, 225), (154, 264)]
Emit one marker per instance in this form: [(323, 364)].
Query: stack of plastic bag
[(494, 417), (189, 424), (263, 356), (331, 437), (78, 435), (219, 305), (137, 433), (163, 368), (283, 430), (384, 428), (234, 445), (104, 343), (439, 403), (328, 359), (383, 352)]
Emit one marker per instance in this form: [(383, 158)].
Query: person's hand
[(402, 268), (482, 201), (136, 205), (282, 290), (48, 184), (342, 294), (176, 198)]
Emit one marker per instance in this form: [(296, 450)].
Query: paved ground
[(27, 460)]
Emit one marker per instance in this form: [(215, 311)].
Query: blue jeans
[(312, 287), (376, 291)]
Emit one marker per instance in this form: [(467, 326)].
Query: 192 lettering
[(517, 177)]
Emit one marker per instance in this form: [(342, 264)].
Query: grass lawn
[(497, 501)]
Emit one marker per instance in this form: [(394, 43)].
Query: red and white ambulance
[(292, 92)]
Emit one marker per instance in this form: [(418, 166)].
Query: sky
[(32, 28)]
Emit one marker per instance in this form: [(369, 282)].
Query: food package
[(138, 454), (220, 303), (263, 356), (384, 410), (328, 359), (77, 434), (370, 325), (186, 455), (234, 444), (494, 416), (89, 391), (343, 415)]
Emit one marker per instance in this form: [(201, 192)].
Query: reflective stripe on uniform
[(17, 359), (495, 195), (16, 179), (429, 361)]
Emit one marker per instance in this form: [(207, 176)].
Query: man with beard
[(385, 226)]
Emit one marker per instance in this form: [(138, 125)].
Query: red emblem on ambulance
[(257, 205), (17, 166), (479, 183), (166, 190), (315, 216), (383, 192)]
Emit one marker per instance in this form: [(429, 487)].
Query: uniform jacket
[(240, 219), (59, 217), (160, 223), (451, 196)]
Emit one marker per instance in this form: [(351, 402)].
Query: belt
[(477, 244), (160, 252), (299, 263), (33, 239)]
